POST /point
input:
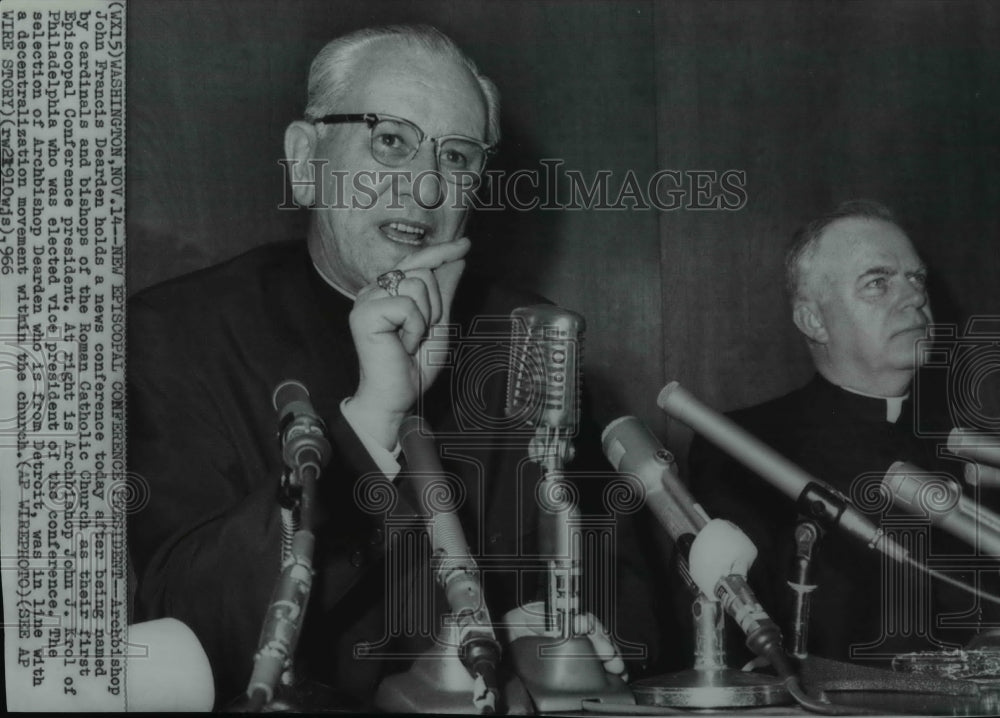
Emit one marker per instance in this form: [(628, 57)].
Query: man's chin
[(901, 353), (904, 344), (905, 361)]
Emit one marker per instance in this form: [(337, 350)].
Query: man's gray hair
[(333, 67), (806, 240)]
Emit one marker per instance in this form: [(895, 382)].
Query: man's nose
[(914, 293), (426, 182)]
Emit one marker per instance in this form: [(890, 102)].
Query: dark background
[(816, 102)]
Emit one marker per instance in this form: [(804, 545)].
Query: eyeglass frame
[(373, 118)]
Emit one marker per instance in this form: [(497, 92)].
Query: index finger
[(436, 255)]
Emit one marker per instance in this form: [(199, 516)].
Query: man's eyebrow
[(877, 272), (884, 271)]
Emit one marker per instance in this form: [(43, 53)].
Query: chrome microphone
[(543, 392), (977, 474), (976, 445), (632, 449), (305, 451), (718, 553), (817, 499), (301, 432), (939, 499), (544, 386), (983, 451)]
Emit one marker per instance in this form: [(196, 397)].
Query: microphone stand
[(821, 510), (633, 450), (807, 534), (829, 508), (557, 517), (270, 687), (305, 450), (710, 683), (459, 674), (560, 668)]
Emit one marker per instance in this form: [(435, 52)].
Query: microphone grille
[(288, 391), (544, 385)]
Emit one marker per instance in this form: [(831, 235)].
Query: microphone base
[(304, 697), (559, 674), (714, 688), (439, 683)]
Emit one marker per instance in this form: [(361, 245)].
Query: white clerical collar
[(893, 404), (333, 284)]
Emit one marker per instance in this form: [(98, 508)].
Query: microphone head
[(629, 446), (919, 492), (720, 549), (300, 429), (544, 385), (663, 399), (288, 395), (632, 449), (983, 448)]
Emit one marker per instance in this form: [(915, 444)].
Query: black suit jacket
[(205, 354)]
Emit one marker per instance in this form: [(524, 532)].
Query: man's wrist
[(387, 459), (378, 424)]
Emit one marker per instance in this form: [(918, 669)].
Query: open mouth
[(409, 233)]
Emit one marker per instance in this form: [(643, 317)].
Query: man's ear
[(300, 144), (808, 317)]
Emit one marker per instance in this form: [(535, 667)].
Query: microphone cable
[(822, 706)]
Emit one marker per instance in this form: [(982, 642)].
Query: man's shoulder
[(253, 296), (228, 282), (771, 421), (790, 408)]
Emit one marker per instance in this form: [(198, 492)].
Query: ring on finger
[(390, 281)]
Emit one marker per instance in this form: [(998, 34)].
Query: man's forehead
[(434, 90), (857, 244)]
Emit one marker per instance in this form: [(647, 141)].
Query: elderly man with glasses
[(399, 125)]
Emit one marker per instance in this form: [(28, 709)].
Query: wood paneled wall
[(814, 102)]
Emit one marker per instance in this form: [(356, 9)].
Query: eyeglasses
[(395, 142)]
